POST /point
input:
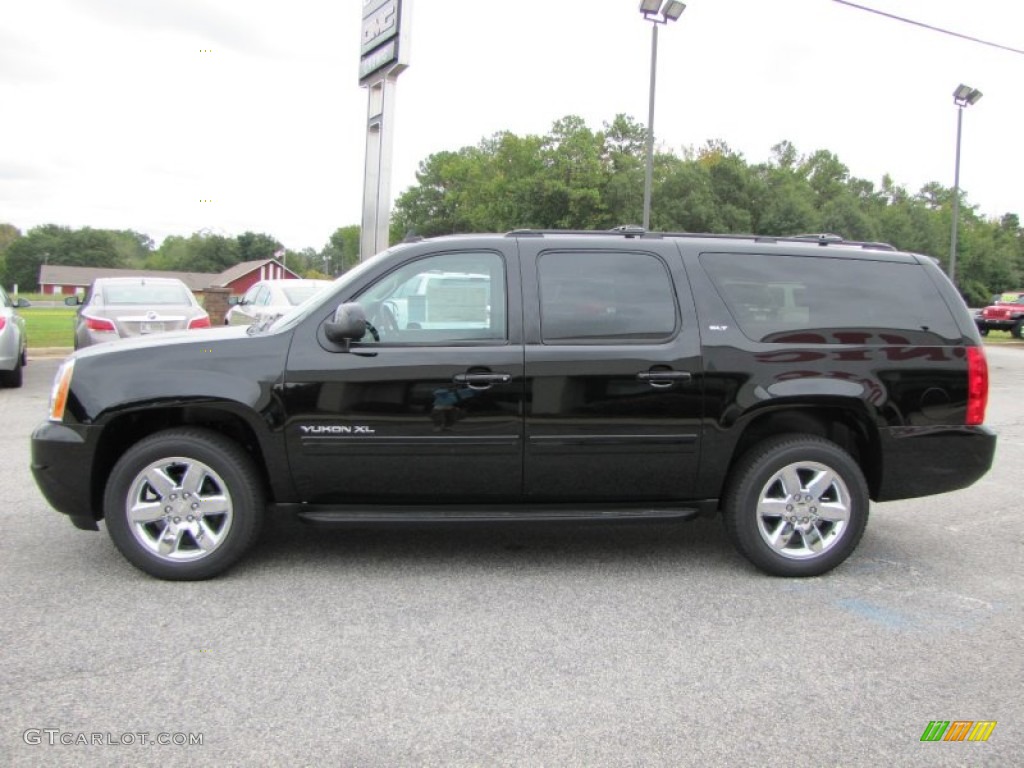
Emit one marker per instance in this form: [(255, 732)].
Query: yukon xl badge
[(320, 429)]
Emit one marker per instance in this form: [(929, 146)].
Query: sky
[(170, 117)]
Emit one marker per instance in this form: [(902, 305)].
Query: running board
[(326, 515)]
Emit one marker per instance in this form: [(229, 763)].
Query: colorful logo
[(958, 730)]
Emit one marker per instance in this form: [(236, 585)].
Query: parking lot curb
[(35, 353)]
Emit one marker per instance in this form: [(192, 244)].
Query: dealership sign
[(383, 44)]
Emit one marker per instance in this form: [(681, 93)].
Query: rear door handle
[(481, 380), (663, 378)]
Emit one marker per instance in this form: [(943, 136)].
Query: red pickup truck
[(1006, 314)]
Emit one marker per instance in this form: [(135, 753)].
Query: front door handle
[(481, 380)]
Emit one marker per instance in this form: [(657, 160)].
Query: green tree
[(255, 247), (8, 234), (52, 244), (573, 176), (201, 252), (340, 253)]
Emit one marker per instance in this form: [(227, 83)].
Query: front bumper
[(62, 463), (995, 325)]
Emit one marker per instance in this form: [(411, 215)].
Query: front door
[(427, 407)]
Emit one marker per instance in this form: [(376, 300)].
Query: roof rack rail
[(830, 238), (822, 238), (630, 230)]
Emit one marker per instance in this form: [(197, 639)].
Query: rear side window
[(806, 299), (605, 297)]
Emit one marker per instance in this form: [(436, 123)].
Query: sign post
[(383, 57)]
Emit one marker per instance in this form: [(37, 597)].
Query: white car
[(13, 341), (272, 298)]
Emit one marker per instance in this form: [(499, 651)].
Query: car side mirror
[(347, 325), (73, 301), (21, 303), (234, 301)]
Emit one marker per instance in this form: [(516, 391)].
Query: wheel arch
[(849, 427), (127, 429)]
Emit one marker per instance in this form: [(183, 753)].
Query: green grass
[(34, 297), (999, 337), (49, 326)]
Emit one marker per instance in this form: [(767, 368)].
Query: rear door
[(613, 371)]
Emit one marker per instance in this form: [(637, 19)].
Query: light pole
[(657, 13), (963, 96)]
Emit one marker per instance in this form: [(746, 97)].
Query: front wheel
[(1018, 329), (797, 505), (184, 504)]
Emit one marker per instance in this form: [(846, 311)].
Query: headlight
[(59, 393)]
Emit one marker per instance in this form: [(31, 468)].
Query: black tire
[(1018, 329), (12, 378), (777, 527), (167, 541), (983, 331)]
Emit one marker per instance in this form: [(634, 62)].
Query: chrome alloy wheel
[(179, 509), (803, 510)]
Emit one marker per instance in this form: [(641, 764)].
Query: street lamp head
[(964, 95), (673, 9), (670, 10)]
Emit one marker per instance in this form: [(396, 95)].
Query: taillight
[(199, 322), (977, 385), (98, 323), (3, 322), (61, 385)]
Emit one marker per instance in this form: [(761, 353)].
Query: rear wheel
[(184, 504), (797, 505)]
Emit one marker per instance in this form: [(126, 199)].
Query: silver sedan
[(122, 307), (13, 340)]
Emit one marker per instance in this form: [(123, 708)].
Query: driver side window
[(449, 297)]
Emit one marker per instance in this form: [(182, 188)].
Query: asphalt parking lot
[(646, 645)]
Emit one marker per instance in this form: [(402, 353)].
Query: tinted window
[(442, 298), (600, 296), (820, 299)]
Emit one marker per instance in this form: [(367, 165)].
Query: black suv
[(539, 375)]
